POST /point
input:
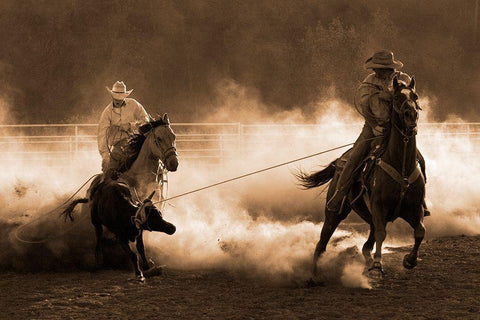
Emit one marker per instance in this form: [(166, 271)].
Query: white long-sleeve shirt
[(111, 120)]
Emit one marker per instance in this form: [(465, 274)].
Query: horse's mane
[(145, 128), (136, 140)]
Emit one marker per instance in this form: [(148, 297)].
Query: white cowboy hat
[(383, 59), (119, 90)]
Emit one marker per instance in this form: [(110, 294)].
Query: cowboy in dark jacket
[(373, 100)]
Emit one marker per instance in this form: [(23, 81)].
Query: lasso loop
[(20, 228)]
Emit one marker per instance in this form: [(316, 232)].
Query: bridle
[(161, 175), (402, 178), (409, 131), (169, 152)]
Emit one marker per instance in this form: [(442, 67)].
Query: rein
[(161, 177), (171, 151)]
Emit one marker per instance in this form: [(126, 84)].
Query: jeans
[(360, 150)]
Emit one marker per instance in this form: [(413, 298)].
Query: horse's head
[(405, 107), (162, 142), (148, 217)]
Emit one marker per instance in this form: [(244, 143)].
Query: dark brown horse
[(395, 188)]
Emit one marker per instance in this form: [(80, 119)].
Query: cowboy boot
[(335, 203), (426, 212)]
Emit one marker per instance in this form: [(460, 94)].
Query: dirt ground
[(445, 285)]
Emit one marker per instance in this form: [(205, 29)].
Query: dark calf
[(112, 206)]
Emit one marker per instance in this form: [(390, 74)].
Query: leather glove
[(126, 126), (378, 130)]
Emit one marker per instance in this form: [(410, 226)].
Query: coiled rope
[(20, 228)]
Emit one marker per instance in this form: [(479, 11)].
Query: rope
[(256, 172), (174, 197), (17, 231)]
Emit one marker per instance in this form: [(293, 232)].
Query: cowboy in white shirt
[(119, 120)]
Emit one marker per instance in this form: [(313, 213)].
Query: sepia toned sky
[(57, 56)]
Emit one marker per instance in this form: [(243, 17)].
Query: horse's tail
[(316, 179), (68, 212)]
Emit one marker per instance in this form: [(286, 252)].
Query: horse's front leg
[(379, 223), (410, 260), (98, 246), (332, 220), (144, 265), (368, 247)]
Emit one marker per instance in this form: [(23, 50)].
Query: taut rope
[(255, 172)]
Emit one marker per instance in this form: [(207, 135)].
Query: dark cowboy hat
[(383, 60)]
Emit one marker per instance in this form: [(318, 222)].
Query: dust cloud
[(262, 225)]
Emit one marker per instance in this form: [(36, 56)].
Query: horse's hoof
[(376, 270), (368, 262), (409, 263), (137, 279)]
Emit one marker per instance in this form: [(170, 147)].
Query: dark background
[(56, 57)]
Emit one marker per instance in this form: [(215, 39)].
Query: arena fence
[(210, 141)]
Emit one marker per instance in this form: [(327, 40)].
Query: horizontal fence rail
[(209, 141)]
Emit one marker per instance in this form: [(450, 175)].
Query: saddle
[(127, 152), (364, 170), (100, 180), (123, 154)]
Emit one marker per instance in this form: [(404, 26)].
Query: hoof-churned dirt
[(444, 285)]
